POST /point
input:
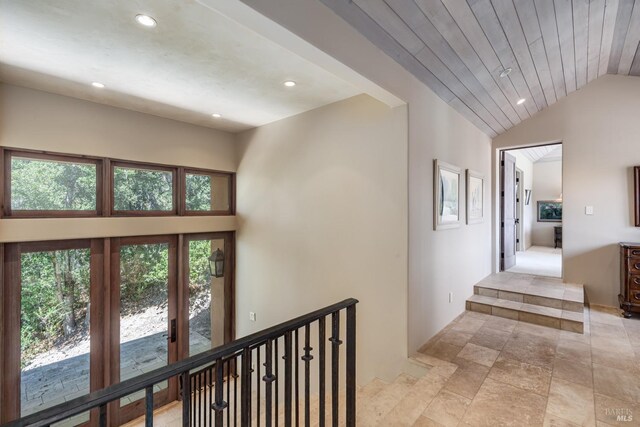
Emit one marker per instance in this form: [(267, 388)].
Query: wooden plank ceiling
[(459, 48)]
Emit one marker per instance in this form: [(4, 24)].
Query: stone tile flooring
[(483, 370)]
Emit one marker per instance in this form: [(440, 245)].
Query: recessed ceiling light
[(521, 101), (289, 83), (506, 72), (146, 21), (98, 85), (216, 115)]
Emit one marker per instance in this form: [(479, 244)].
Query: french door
[(143, 317), (80, 315)]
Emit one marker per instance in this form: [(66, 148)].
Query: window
[(52, 185), (207, 192), (143, 189)]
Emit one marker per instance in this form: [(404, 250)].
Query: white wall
[(547, 185), (526, 166), (37, 120), (599, 127), (439, 262), (322, 208)]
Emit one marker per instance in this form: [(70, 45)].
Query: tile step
[(567, 320), (565, 297)]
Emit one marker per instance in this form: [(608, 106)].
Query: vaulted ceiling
[(460, 48)]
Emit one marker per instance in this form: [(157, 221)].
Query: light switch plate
[(588, 210), (252, 316)]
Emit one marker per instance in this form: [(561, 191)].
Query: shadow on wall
[(599, 270)]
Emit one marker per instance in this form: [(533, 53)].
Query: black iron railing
[(226, 385)]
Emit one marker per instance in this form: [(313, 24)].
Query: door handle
[(174, 331)]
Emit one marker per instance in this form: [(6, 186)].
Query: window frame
[(211, 173), (7, 210), (175, 199), (105, 202)]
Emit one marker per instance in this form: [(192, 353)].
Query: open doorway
[(531, 210)]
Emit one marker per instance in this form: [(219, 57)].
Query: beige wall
[(599, 129), (439, 262), (42, 121), (322, 208), (547, 185)]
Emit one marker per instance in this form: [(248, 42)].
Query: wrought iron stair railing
[(243, 382)]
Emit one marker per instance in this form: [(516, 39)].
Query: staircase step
[(567, 320), (544, 292)]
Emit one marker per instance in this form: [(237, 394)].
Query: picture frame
[(475, 197), (549, 211), (636, 194), (447, 191)]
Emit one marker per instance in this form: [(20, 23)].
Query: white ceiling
[(194, 63), (544, 153), (459, 48)]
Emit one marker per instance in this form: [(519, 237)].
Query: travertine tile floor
[(489, 371)]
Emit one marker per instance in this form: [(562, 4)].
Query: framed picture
[(636, 193), (475, 197), (447, 188), (527, 197), (549, 211)]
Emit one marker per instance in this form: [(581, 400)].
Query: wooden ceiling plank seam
[(635, 67), (513, 32), (623, 18), (547, 20), (608, 28), (581, 40), (445, 53), (433, 63), (596, 22), (564, 27), (380, 12), (527, 17), (466, 21), (493, 32), (370, 29), (450, 30), (631, 42)]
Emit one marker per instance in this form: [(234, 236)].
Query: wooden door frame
[(10, 380), (229, 284), (120, 415)]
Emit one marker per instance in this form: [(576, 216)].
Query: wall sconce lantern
[(216, 263)]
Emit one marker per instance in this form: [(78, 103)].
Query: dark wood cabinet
[(629, 296)]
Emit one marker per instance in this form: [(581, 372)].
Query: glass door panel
[(54, 328), (206, 298)]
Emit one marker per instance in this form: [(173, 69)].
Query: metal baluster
[(186, 395), (220, 404), (277, 406), (321, 370), (307, 374), (103, 416), (258, 379), (268, 380), (235, 391), (211, 391), (335, 368), (245, 406), (351, 366), (148, 416), (287, 378), (297, 378), (228, 391), (201, 379)]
